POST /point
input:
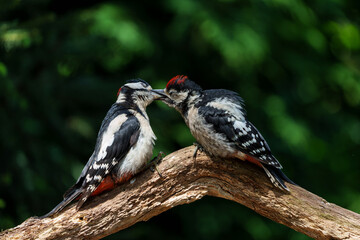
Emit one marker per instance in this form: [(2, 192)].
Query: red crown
[(119, 92), (177, 80)]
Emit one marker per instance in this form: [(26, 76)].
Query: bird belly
[(140, 152), (214, 144)]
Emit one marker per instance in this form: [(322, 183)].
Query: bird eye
[(144, 85)]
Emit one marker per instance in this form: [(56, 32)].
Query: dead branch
[(185, 181)]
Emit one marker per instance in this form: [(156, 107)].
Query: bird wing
[(80, 180), (232, 124), (114, 143), (119, 131)]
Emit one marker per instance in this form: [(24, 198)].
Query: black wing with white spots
[(251, 142), (227, 116), (124, 138), (127, 129)]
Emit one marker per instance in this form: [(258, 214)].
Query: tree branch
[(185, 181)]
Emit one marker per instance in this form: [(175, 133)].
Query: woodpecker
[(218, 121), (123, 147)]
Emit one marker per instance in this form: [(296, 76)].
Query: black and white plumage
[(123, 147), (218, 122)]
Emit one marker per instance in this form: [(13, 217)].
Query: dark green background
[(295, 63)]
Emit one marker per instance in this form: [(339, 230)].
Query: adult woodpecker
[(123, 147), (218, 122)]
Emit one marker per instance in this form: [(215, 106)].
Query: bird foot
[(152, 164), (198, 147)]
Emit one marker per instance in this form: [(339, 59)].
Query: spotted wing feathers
[(226, 115), (251, 142), (123, 139)]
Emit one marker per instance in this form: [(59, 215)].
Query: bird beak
[(159, 94)]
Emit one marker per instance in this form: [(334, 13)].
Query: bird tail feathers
[(69, 198), (277, 177)]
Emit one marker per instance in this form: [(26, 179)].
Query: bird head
[(139, 92), (180, 92)]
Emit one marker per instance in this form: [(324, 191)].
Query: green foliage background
[(295, 63)]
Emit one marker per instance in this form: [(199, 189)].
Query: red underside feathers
[(253, 160), (108, 183)]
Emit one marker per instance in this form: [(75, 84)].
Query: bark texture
[(185, 181)]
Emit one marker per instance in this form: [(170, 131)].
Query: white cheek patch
[(108, 137), (180, 97)]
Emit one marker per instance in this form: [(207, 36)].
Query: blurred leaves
[(345, 35), (296, 64), (3, 70), (111, 21)]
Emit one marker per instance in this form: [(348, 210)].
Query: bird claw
[(155, 161), (198, 147)]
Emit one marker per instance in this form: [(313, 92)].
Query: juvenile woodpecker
[(218, 122), (123, 147)]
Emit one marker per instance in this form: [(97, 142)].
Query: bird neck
[(192, 98), (137, 105)]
